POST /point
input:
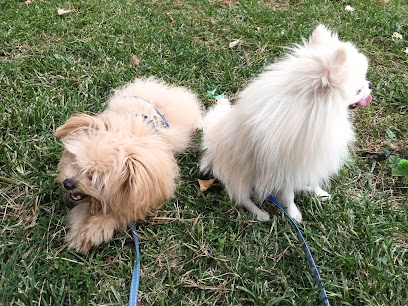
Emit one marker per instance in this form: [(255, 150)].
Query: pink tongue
[(364, 102)]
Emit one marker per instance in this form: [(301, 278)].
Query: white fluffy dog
[(119, 166), (290, 129)]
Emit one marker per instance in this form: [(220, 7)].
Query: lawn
[(198, 249)]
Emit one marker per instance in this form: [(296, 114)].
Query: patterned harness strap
[(152, 119)]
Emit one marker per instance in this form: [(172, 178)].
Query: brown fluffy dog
[(119, 165)]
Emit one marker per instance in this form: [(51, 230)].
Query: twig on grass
[(41, 292), (60, 249), (67, 259)]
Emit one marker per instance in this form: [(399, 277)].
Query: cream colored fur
[(119, 165), (289, 130)]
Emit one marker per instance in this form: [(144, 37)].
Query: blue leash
[(312, 265), (134, 287)]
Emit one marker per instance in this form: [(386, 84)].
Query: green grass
[(198, 249)]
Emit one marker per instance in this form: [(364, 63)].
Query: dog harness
[(153, 120)]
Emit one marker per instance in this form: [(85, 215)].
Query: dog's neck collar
[(151, 119)]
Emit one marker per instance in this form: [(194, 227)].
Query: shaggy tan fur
[(119, 166)]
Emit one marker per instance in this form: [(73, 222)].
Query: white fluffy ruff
[(290, 127)]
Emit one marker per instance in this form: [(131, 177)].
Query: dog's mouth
[(77, 196), (363, 102)]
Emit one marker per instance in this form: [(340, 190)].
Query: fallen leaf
[(63, 11), (27, 2), (350, 8), (246, 57), (233, 43), (205, 184), (135, 61)]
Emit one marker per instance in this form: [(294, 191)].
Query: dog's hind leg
[(262, 215), (88, 230), (238, 187), (319, 192)]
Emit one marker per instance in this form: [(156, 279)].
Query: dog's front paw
[(263, 216), (79, 242), (295, 213), (97, 230)]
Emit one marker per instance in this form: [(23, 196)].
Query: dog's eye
[(89, 176), (358, 91)]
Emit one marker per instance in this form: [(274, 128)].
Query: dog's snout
[(370, 85), (68, 184)]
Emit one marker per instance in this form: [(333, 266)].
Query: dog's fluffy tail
[(211, 122)]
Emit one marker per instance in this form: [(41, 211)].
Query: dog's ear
[(147, 178), (334, 71), (143, 174), (321, 36), (74, 124)]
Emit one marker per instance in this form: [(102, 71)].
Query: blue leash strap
[(134, 287), (312, 265), (162, 116)]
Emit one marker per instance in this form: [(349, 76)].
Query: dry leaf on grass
[(233, 43), (63, 11), (171, 18), (135, 61), (205, 184), (248, 62), (350, 8), (27, 2)]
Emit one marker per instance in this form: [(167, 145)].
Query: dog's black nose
[(370, 85), (68, 184)]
